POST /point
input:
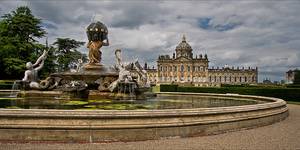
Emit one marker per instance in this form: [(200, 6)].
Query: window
[(182, 68), (175, 68), (189, 68), (181, 77)]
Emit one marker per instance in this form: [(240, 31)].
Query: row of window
[(232, 79), (211, 79), (182, 68)]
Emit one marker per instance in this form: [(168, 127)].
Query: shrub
[(289, 94)]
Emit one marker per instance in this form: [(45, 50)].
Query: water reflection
[(159, 102)]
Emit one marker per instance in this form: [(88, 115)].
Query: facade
[(184, 68)]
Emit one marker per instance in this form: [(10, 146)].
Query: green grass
[(294, 102)]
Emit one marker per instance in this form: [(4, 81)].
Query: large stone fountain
[(36, 117), (92, 78)]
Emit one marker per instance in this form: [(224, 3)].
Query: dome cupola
[(183, 49)]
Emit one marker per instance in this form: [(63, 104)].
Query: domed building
[(185, 69)]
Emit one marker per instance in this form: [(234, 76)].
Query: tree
[(67, 53), (18, 45)]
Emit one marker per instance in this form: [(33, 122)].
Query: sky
[(244, 33)]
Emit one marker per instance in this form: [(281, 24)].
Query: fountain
[(97, 103), (92, 77)]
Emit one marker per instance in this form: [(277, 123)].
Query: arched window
[(182, 68)]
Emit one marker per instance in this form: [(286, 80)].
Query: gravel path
[(282, 135)]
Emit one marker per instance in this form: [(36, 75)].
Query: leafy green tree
[(18, 45), (67, 53)]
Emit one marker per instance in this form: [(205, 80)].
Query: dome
[(184, 49), (183, 45)]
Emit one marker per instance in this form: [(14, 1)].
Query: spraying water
[(15, 89)]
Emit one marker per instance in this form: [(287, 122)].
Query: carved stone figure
[(79, 65), (126, 72), (31, 75), (98, 36)]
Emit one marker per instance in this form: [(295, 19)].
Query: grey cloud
[(262, 33)]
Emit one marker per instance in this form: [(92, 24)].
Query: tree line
[(19, 31)]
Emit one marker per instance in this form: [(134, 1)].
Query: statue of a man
[(124, 74), (31, 75), (98, 36)]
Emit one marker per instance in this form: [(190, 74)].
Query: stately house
[(290, 76), (185, 69)]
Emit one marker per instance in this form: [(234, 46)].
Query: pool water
[(158, 102)]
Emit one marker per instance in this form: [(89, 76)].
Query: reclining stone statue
[(126, 72)]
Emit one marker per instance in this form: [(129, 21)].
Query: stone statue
[(124, 75), (126, 71), (98, 36), (79, 65), (31, 75)]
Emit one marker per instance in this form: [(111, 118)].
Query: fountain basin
[(135, 125)]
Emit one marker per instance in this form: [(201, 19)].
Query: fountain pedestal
[(97, 77)]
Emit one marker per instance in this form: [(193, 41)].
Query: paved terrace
[(282, 135)]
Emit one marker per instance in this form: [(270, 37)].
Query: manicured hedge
[(293, 86), (289, 94), (168, 87)]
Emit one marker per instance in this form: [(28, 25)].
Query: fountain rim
[(271, 103)]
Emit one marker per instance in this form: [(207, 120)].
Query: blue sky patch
[(206, 23)]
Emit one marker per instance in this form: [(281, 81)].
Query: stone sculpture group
[(97, 34)]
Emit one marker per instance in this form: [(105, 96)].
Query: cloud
[(265, 34)]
